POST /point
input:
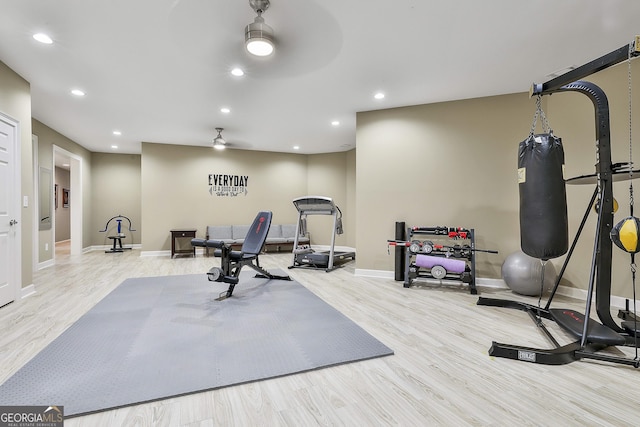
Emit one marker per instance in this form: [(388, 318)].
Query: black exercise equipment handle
[(106, 227)]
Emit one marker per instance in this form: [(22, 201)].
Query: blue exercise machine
[(117, 238)]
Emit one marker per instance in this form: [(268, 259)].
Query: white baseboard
[(45, 264), (491, 283), (380, 274), (27, 291)]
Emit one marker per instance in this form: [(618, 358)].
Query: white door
[(9, 227)]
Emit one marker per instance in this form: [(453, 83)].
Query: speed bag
[(544, 230), (625, 235)]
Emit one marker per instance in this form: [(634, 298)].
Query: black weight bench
[(231, 262)]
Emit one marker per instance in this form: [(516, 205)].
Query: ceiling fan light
[(258, 38), (218, 142)]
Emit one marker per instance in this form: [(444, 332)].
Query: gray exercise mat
[(157, 337)]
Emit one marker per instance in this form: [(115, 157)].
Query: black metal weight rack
[(427, 257)]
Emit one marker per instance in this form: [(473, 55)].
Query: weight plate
[(438, 272), (215, 274)]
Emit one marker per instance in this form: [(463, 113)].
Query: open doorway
[(67, 212), (61, 205)]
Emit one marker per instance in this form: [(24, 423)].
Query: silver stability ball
[(522, 274)]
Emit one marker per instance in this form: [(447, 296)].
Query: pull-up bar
[(605, 61)]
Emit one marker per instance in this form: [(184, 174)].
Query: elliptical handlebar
[(106, 227)]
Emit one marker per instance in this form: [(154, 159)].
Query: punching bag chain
[(630, 93), (539, 112)]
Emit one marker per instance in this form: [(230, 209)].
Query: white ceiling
[(159, 70)]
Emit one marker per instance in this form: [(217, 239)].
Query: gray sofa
[(280, 235)]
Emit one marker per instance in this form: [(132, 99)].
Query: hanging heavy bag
[(544, 231)]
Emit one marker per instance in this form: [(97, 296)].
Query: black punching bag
[(544, 232)]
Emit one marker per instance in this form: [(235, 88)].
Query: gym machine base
[(592, 336), (598, 337), (307, 257), (426, 260), (321, 260)]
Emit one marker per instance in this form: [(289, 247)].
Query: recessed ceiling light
[(77, 92), (225, 110), (65, 165), (237, 72), (117, 133), (43, 38), (379, 95), (295, 147), (335, 123), (114, 147)]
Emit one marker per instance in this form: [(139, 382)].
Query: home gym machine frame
[(117, 238), (600, 273), (307, 257)]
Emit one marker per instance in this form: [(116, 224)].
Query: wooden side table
[(179, 235)]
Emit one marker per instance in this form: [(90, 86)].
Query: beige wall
[(47, 138), (329, 175), (116, 190), (62, 214), (448, 164), (175, 183), (350, 215), (454, 164), (15, 101)]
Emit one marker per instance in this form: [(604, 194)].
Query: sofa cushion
[(275, 234), (239, 232), (289, 233), (275, 231), (219, 232)]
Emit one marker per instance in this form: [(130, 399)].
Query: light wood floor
[(440, 373)]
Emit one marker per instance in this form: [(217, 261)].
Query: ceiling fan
[(219, 143)]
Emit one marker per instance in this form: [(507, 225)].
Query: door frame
[(15, 211), (77, 204)]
